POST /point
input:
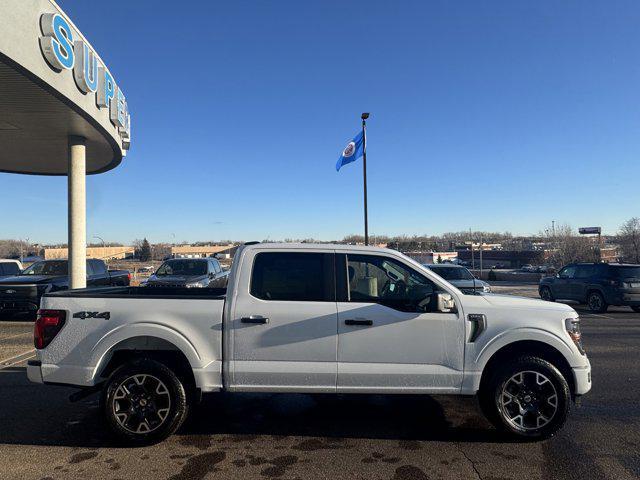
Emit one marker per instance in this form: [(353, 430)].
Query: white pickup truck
[(311, 318)]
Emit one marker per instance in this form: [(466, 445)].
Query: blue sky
[(498, 115)]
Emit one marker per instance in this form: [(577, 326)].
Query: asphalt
[(248, 436)]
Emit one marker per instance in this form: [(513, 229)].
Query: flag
[(352, 151)]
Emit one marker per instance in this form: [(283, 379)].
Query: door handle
[(255, 319), (353, 321)]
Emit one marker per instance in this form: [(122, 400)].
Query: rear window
[(626, 272), (290, 277), (183, 267), (98, 267)]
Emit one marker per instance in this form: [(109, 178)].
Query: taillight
[(48, 324), (573, 329)]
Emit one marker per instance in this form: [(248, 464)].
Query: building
[(103, 253), (61, 110), (433, 257), (202, 251)]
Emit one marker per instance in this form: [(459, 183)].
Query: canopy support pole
[(77, 220)]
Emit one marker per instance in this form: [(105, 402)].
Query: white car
[(460, 277), (10, 267), (311, 318)]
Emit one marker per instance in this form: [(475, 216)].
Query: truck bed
[(101, 321)]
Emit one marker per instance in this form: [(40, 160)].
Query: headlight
[(194, 285), (486, 288), (573, 329)]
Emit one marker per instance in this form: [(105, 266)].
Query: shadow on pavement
[(42, 415), (393, 417)]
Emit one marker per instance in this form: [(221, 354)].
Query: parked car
[(190, 273), (20, 294), (460, 277), (9, 267), (596, 284), (311, 318)]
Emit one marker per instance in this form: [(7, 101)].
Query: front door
[(285, 323), (562, 289), (391, 336)]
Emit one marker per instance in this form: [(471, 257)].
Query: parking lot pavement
[(408, 437), (16, 342)]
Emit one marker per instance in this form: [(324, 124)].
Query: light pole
[(104, 247)]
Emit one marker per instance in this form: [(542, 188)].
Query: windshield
[(58, 267), (626, 272), (183, 267), (453, 273)]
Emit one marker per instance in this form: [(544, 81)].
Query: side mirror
[(211, 275), (445, 303)]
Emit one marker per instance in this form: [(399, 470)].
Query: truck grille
[(14, 292)]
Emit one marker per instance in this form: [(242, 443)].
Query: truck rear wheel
[(528, 398), (144, 402)]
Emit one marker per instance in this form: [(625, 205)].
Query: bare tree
[(565, 246), (629, 238)]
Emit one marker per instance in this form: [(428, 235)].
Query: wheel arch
[(157, 342), (520, 348)]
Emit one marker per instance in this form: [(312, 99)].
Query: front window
[(388, 282), (568, 272), (183, 267), (452, 273), (57, 267)]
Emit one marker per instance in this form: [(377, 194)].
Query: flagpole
[(364, 117)]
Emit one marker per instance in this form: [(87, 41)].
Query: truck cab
[(313, 318)]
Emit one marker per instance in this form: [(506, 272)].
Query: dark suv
[(596, 284)]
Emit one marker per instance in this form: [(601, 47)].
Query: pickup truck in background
[(311, 318), (189, 273), (20, 294)]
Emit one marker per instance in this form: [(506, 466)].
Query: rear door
[(284, 323), (580, 284)]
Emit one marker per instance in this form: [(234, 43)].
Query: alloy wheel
[(595, 302), (528, 401), (141, 403)]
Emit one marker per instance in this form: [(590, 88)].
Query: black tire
[(502, 404), (546, 294), (144, 402), (596, 302), (636, 309)]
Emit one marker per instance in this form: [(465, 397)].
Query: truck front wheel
[(144, 402), (528, 398)]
